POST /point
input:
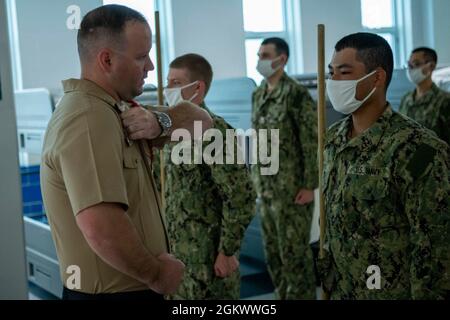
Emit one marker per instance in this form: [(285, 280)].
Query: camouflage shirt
[(387, 198), (208, 206), (432, 110), (289, 108)]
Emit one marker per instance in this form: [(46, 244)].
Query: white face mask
[(173, 95), (342, 94), (264, 67), (416, 75)]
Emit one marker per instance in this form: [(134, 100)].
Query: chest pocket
[(130, 160), (368, 188), (132, 172), (189, 167), (277, 115), (271, 114), (329, 155)]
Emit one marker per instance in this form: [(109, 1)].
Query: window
[(263, 15), (379, 16), (262, 19), (147, 9)]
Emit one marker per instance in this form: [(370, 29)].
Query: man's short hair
[(199, 68), (281, 45), (429, 54), (104, 25), (372, 50)]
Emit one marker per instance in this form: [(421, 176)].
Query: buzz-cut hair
[(372, 50), (198, 67), (281, 46), (429, 54), (105, 25)]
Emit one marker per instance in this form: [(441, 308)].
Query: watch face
[(165, 122)]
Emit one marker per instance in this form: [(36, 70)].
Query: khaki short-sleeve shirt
[(87, 161)]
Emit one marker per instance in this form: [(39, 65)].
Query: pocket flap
[(130, 161), (368, 187)]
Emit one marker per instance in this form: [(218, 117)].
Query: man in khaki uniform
[(98, 192)]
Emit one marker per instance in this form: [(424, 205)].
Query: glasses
[(416, 65)]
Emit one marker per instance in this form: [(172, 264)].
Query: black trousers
[(122, 296)]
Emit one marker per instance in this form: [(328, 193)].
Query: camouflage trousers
[(200, 283), (286, 229)]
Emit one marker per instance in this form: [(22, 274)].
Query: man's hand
[(304, 197), (225, 266), (141, 124), (170, 275)]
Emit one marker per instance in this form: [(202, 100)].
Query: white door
[(13, 281)]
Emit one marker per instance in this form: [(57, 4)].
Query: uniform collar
[(369, 138), (203, 106), (428, 96), (276, 93), (90, 88)]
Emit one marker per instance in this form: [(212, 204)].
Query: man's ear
[(284, 58), (280, 60), (201, 88), (432, 66), (381, 78), (104, 60)]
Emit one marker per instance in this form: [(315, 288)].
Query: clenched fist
[(170, 275), (141, 124)]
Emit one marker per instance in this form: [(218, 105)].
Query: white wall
[(441, 24), (339, 17), (48, 48), (421, 29), (214, 29), (430, 24)]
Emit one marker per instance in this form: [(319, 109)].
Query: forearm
[(238, 204), (230, 238), (185, 116), (309, 146), (426, 202), (234, 223), (117, 242)]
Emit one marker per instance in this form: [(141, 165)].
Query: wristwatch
[(164, 121)]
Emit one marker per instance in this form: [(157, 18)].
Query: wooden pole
[(160, 98), (321, 104), (159, 58)]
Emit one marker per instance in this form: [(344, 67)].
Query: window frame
[(394, 31), (291, 33)]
